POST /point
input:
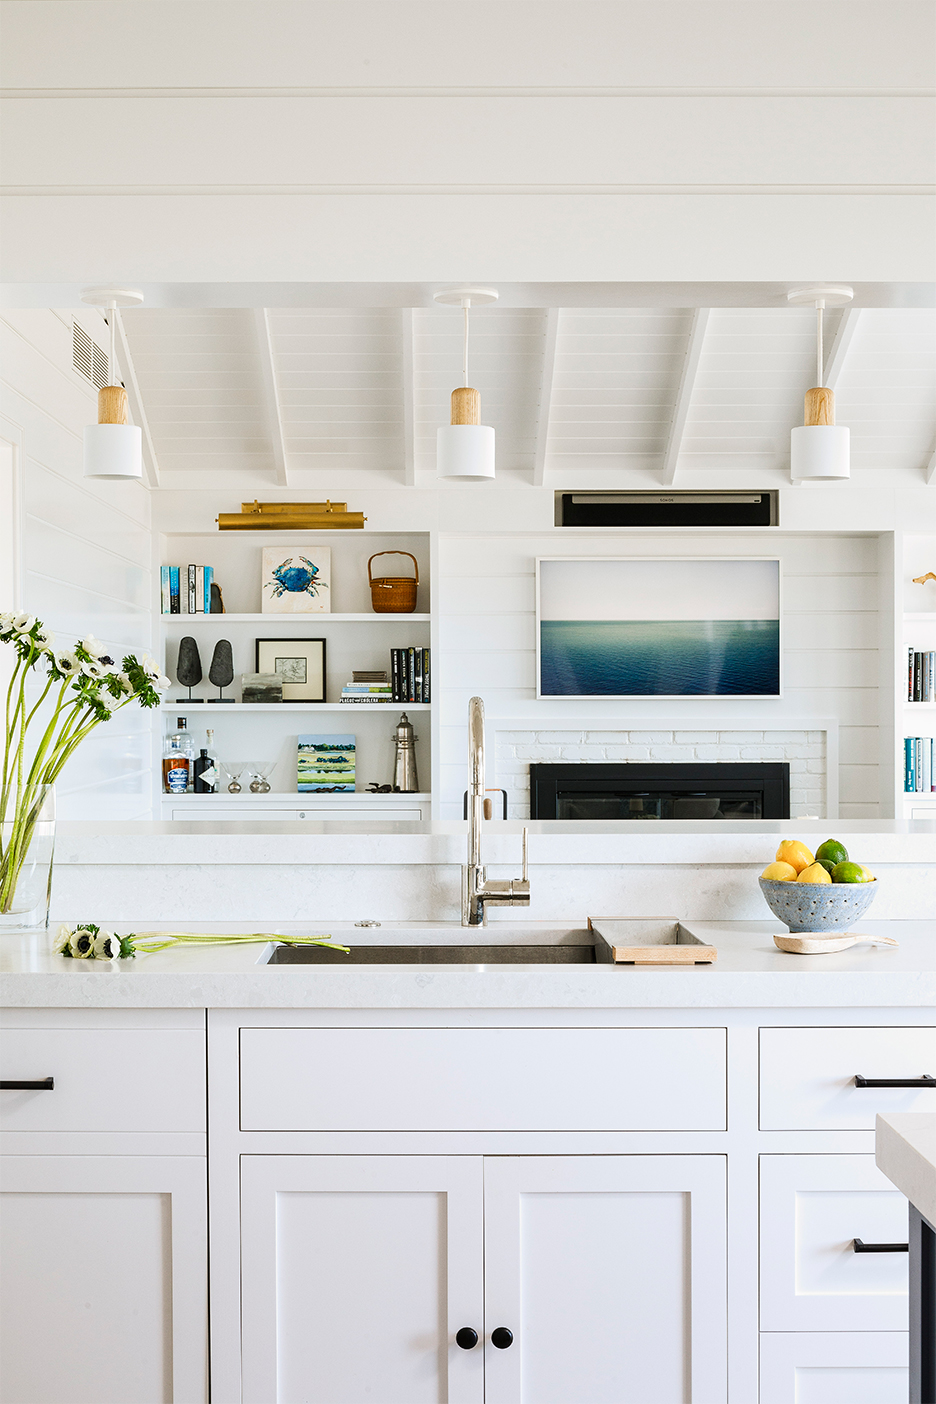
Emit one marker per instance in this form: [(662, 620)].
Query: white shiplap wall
[(83, 561), (831, 649)]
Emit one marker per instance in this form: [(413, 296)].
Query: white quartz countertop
[(905, 1151), (750, 973)]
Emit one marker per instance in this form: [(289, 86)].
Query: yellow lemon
[(795, 853), (868, 875), (779, 872), (814, 873)]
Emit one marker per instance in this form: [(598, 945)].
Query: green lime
[(833, 850), (826, 863), (848, 872)]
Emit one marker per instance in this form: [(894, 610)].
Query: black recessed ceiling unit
[(666, 509)]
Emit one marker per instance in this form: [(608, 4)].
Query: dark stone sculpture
[(221, 672), (188, 667)]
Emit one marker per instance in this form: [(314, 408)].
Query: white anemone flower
[(46, 640), (62, 940), (67, 662), (125, 682), (22, 623), (106, 945), (93, 646), (92, 669), (150, 666), (81, 943), (162, 684)]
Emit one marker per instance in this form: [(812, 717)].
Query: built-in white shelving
[(356, 637), (917, 630)]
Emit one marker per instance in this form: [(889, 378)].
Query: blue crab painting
[(289, 579)]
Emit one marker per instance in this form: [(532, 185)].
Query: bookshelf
[(918, 631), (355, 638)]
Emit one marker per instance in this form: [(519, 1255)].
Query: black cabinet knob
[(501, 1337), (467, 1338)]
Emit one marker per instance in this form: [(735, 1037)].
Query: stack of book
[(919, 775), (367, 687), (186, 589), (411, 675), (921, 683)]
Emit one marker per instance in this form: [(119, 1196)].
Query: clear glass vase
[(27, 843)]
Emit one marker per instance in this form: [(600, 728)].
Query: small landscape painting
[(296, 580), (326, 764), (666, 627)]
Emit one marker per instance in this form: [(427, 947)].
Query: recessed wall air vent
[(666, 509), (88, 358)]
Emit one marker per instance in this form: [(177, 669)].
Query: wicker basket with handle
[(393, 594)]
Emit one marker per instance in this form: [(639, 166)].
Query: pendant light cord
[(820, 359), (466, 304), (112, 319)]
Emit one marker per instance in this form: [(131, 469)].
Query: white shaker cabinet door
[(834, 1367), (104, 1288), (356, 1274), (610, 1271)]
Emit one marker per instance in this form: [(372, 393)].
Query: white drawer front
[(834, 1367), (105, 1079), (812, 1208), (482, 1079), (807, 1076)]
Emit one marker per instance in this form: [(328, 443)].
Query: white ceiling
[(355, 394)]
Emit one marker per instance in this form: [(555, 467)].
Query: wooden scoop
[(814, 943)]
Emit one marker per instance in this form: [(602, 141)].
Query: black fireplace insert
[(660, 790)]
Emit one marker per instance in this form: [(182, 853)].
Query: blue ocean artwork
[(660, 658), (290, 579)]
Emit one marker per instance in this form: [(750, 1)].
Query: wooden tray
[(652, 942)]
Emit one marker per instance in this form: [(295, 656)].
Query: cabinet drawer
[(834, 1367), (807, 1076), (482, 1079), (105, 1079), (812, 1208)]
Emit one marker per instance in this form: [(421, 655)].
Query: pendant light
[(112, 447), (819, 448), (465, 448)]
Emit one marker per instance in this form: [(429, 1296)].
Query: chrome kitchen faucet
[(477, 893)]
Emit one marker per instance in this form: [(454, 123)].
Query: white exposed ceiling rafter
[(545, 398), (271, 395), (835, 360), (135, 401), (407, 334), (674, 440)]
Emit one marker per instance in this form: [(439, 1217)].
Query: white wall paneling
[(85, 547), (832, 638)]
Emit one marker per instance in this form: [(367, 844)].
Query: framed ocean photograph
[(325, 764), (293, 582), (299, 662), (611, 626)]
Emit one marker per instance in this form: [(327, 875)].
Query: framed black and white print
[(299, 662), (611, 626)]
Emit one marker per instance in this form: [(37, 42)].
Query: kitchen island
[(422, 1177)]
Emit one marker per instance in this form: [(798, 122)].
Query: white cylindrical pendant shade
[(819, 451), (113, 451), (465, 451)]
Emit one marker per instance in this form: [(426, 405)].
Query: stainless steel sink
[(437, 955)]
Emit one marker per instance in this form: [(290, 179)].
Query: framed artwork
[(610, 626), (325, 764), (295, 583), (299, 662)]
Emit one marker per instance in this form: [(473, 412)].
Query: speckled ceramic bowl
[(818, 906)]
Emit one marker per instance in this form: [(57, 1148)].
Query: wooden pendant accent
[(820, 406), (466, 406), (112, 405)]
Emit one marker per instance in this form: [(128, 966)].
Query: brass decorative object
[(292, 516)]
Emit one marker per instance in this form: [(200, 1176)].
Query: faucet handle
[(488, 808), (526, 844)]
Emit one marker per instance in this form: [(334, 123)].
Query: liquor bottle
[(178, 758), (206, 769)]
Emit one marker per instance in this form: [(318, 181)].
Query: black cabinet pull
[(467, 1338), (501, 1337), (42, 1084), (861, 1247), (924, 1081)]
